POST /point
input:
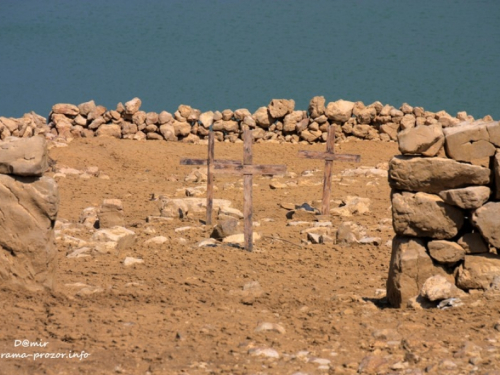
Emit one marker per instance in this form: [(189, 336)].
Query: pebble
[(264, 352), (184, 229), (81, 252), (130, 261), (273, 327), (320, 361), (158, 240), (210, 242)]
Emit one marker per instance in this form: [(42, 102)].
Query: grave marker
[(329, 156)]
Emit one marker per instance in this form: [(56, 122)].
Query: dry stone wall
[(29, 203), (446, 211), (278, 121)]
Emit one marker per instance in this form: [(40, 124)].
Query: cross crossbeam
[(329, 156)]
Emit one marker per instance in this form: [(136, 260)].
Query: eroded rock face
[(478, 271), (23, 156), (279, 108), (425, 215), (468, 142), (433, 175), (28, 210), (424, 140), (487, 220), (471, 197), (410, 267), (339, 111)]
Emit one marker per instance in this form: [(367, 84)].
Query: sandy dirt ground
[(289, 307)]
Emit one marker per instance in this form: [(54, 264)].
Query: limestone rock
[(85, 108), (28, 207), (317, 106), (263, 118), (111, 213), (468, 142), (241, 113), (179, 208), (122, 238), (225, 228), (279, 108), (132, 106), (339, 111), (478, 271), (425, 215), (432, 175), (473, 243), (424, 140), (23, 157), (446, 252), (291, 120), (239, 238), (410, 266), (111, 130), (181, 128), (437, 288), (487, 220), (349, 232), (89, 217), (471, 197), (390, 129), (207, 119), (65, 109), (130, 261), (165, 117)]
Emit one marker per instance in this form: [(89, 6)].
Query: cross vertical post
[(210, 177), (247, 189)]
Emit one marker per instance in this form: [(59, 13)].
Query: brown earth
[(185, 309)]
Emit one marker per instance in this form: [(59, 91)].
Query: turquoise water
[(218, 54)]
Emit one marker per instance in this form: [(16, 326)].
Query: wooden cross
[(210, 162), (247, 169), (329, 156)]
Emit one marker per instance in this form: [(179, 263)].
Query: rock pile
[(279, 121), (445, 208), (29, 203)]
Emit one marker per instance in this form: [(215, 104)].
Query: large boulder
[(65, 109), (317, 106), (468, 198), (478, 271), (23, 156), (263, 118), (468, 142), (432, 175), (28, 207), (487, 220), (410, 267), (446, 252), (132, 106), (339, 111), (279, 108), (423, 140), (109, 130), (425, 215)]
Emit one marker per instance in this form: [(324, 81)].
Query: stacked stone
[(445, 208), (279, 121), (29, 203), (27, 126)]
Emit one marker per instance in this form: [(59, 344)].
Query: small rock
[(438, 288), (210, 242), (158, 240), (274, 327), (264, 352), (450, 302), (130, 261)]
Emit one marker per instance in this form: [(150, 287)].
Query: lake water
[(218, 54)]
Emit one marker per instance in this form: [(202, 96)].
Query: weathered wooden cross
[(247, 169), (329, 156), (209, 162)]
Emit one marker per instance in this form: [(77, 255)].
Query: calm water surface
[(218, 54)]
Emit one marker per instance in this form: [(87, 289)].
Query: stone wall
[(29, 203), (279, 121), (446, 212)]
